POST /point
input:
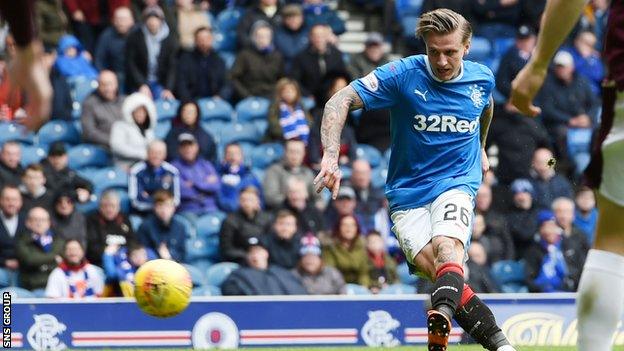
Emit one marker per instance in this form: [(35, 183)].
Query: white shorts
[(612, 184), (450, 214)]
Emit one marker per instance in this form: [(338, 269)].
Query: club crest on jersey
[(371, 82), (477, 95)]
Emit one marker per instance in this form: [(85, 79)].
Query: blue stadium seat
[(502, 45), (480, 49), (5, 278), (202, 264), (203, 248), (369, 153), (135, 221), (266, 154), (81, 87), (212, 109), (409, 23), (398, 289), (209, 223), (308, 103), (110, 177), (405, 276), (355, 289), (229, 58), (10, 131), (252, 108), (33, 154), (240, 132), (217, 274), (408, 7), (228, 19), (87, 155), (166, 109), (247, 149), (58, 130), (261, 125), (207, 290), (379, 175), (346, 171), (514, 288), (225, 41), (162, 129), (258, 173), (17, 292), (214, 128), (197, 276), (508, 272)]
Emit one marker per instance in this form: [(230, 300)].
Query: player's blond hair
[(443, 21)]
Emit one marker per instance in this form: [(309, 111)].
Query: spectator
[(199, 180), (74, 277), (369, 200), (260, 278), (567, 102), (163, 231), (547, 268), (287, 117), (138, 6), (201, 72), (347, 252), (111, 46), (331, 84), (150, 56), (257, 68), (67, 222), (108, 229), (34, 191), (318, 12), (479, 277), (189, 17), (344, 205), (483, 204), (152, 175), (12, 101), (101, 110), (496, 18), (373, 56), (120, 266), (547, 183), (382, 269), (276, 176), (130, 136), (284, 240), (235, 176), (89, 17), (72, 61), (319, 58), (496, 245), (10, 169), (587, 61), (586, 215), (37, 250), (515, 58), (264, 11), (309, 218), (522, 218), (11, 224), (316, 277), (187, 122), (59, 176), (574, 239), (51, 22), (291, 37), (249, 221)]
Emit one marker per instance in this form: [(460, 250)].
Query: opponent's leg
[(601, 290)]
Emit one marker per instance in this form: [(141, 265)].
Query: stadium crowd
[(190, 130)]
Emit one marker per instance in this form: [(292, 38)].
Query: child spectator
[(586, 215), (287, 117), (347, 252), (74, 277), (235, 176), (121, 265), (163, 231), (71, 61), (34, 191), (68, 223), (284, 242), (317, 278), (382, 267), (187, 121)]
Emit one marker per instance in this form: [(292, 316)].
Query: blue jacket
[(322, 14), (199, 186), (110, 51), (290, 43), (73, 66), (153, 232), (587, 224), (145, 180), (548, 190), (233, 180)]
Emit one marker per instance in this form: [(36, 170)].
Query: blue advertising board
[(225, 322)]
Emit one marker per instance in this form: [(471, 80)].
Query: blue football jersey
[(434, 127)]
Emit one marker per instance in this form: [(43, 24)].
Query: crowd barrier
[(231, 322)]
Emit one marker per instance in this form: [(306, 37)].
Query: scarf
[(154, 43), (378, 259), (554, 268), (77, 287), (125, 272), (44, 241), (294, 123)]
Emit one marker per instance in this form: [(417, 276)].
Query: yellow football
[(162, 288)]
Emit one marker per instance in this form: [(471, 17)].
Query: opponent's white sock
[(506, 348), (600, 300)]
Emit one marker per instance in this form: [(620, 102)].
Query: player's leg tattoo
[(445, 252)]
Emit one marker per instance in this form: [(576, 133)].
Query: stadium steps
[(352, 41)]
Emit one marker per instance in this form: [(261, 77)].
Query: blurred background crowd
[(189, 130)]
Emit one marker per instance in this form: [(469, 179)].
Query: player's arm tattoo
[(485, 120), (446, 252), (334, 117)]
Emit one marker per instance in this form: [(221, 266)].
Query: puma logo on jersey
[(418, 92), (436, 123)]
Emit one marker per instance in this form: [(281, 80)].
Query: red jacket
[(91, 9)]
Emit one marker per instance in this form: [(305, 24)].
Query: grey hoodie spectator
[(101, 109)]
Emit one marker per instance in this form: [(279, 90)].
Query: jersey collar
[(433, 76)]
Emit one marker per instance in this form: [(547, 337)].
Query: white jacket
[(126, 141)]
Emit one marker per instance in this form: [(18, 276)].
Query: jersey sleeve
[(490, 88), (379, 89)]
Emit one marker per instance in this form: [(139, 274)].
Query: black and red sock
[(448, 288)]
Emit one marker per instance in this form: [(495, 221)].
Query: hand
[(87, 55), (163, 251), (329, 176), (83, 195), (111, 249), (11, 263), (580, 121), (58, 259), (78, 16), (29, 73), (485, 163), (144, 89), (524, 88), (167, 95)]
